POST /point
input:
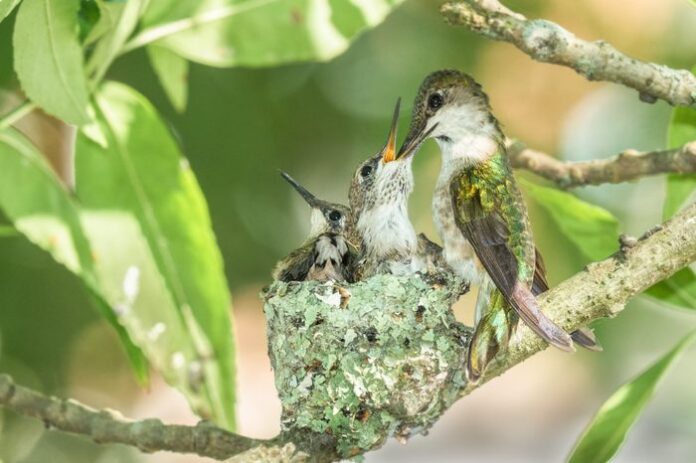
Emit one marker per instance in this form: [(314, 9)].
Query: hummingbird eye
[(435, 101), (366, 171), (334, 216)]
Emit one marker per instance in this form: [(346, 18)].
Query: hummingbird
[(481, 217), (378, 198), (326, 253)]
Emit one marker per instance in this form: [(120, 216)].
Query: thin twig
[(105, 426), (625, 166), (548, 42)]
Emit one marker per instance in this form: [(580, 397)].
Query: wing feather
[(296, 266), (584, 337), (489, 235)]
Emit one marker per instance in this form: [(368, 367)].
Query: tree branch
[(151, 435), (626, 166), (104, 426), (548, 42)]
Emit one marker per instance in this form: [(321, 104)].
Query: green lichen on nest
[(366, 361)]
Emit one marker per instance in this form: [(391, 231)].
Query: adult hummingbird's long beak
[(414, 140), (309, 197), (389, 150)]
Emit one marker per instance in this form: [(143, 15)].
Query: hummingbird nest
[(365, 361)]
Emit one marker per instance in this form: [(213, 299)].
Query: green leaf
[(6, 231), (6, 7), (42, 210), (594, 230), (138, 361), (48, 58), (149, 218), (87, 17), (106, 21), (679, 189), (681, 130), (607, 431), (172, 71), (258, 32), (124, 17), (678, 290)]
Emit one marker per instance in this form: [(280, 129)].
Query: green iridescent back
[(488, 190)]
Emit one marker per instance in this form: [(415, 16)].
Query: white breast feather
[(470, 139), (386, 229), (471, 135)]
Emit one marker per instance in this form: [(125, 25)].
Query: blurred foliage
[(317, 120), (595, 231), (257, 32), (607, 431), (678, 290), (6, 7), (172, 71), (155, 255), (44, 212)]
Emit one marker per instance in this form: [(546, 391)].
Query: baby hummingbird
[(378, 197), (326, 253), (481, 216)]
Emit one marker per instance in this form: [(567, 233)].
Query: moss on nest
[(362, 362)]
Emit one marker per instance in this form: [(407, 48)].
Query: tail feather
[(491, 337), (586, 338), (524, 303)]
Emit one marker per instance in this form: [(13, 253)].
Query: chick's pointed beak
[(413, 140), (389, 150), (306, 195)]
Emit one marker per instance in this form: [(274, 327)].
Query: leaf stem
[(16, 114), (161, 31)]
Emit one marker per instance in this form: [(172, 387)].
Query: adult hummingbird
[(326, 253), (378, 198), (481, 216)]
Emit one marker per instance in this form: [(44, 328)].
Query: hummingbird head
[(326, 216), (452, 108), (382, 178), (379, 193)]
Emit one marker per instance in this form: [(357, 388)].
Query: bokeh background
[(318, 121)]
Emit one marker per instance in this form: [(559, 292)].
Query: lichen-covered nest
[(365, 361)]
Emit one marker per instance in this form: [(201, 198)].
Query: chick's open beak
[(389, 150), (309, 197)]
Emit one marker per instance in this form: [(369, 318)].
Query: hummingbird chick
[(481, 216), (378, 197), (326, 253)]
